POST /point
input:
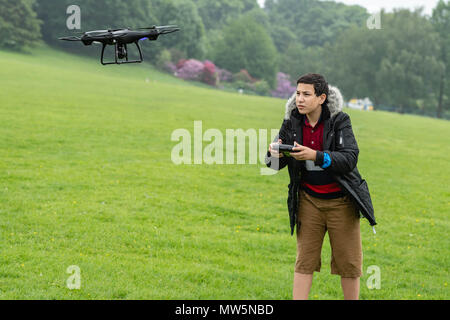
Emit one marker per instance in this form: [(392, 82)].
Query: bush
[(196, 70), (242, 85), (190, 70), (243, 76), (262, 88), (284, 87), (209, 73), (224, 75), (164, 61)]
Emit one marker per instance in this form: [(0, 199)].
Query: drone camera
[(122, 51)]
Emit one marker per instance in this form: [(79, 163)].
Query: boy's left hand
[(304, 153)]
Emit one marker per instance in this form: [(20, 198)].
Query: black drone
[(120, 38)]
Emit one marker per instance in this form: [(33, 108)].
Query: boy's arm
[(345, 156)]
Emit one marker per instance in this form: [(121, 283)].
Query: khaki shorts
[(341, 219)]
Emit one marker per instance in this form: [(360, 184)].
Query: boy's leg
[(350, 287), (310, 233), (346, 249), (302, 286)]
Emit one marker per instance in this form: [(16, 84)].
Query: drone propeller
[(99, 32), (148, 28), (72, 38), (114, 30), (166, 31), (158, 27), (169, 26)]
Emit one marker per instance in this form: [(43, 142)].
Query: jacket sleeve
[(345, 156), (279, 163)]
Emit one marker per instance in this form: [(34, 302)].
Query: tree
[(283, 37), (395, 66), (246, 45), (314, 22), (217, 14), (441, 23), (298, 60), (191, 37), (353, 61), (19, 26), (410, 66)]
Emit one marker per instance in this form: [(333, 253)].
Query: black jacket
[(339, 142)]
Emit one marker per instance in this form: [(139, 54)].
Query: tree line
[(401, 65)]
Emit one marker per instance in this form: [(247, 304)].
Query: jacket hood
[(335, 103)]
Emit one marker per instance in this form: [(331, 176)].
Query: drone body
[(120, 38)]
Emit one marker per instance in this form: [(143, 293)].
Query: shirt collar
[(320, 118)]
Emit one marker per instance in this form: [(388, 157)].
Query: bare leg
[(302, 286), (350, 287)]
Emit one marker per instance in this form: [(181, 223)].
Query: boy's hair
[(319, 82)]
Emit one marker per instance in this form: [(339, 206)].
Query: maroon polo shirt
[(316, 181)]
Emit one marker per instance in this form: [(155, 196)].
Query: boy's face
[(306, 99)]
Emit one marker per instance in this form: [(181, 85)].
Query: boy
[(326, 191)]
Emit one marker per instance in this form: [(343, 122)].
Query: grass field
[(86, 179)]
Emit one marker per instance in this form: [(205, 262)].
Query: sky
[(375, 5)]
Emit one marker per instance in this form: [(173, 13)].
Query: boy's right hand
[(274, 153)]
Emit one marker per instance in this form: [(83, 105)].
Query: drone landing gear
[(121, 53)]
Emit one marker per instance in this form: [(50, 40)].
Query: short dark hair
[(319, 82)]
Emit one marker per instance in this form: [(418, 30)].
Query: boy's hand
[(304, 153), (274, 153)]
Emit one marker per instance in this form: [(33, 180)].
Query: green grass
[(86, 179)]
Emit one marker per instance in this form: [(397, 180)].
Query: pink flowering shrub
[(224, 75), (191, 70), (180, 63), (196, 70), (284, 87), (209, 73)]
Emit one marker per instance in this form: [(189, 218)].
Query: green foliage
[(191, 38), (299, 60), (283, 37), (395, 66), (441, 24), (246, 45), (19, 26), (217, 14), (164, 58), (314, 22), (262, 88)]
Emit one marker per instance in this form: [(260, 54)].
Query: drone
[(120, 38)]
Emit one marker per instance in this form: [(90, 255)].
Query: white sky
[(375, 5)]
